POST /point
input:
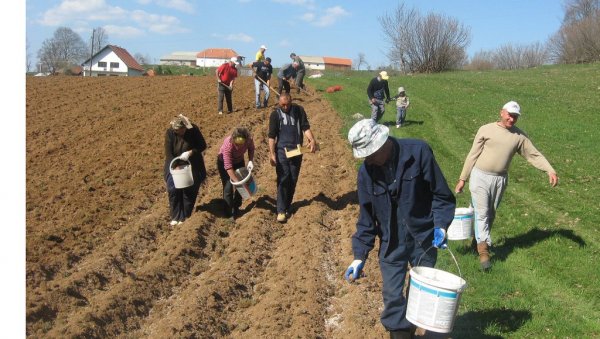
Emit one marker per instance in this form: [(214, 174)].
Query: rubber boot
[(484, 256)]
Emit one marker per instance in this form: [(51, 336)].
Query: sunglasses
[(239, 140)]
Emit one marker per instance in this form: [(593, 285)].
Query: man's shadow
[(337, 204), (474, 323), (217, 206), (527, 240)]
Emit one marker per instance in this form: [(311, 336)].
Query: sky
[(336, 28)]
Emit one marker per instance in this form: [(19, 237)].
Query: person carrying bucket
[(230, 158), (405, 200), (487, 164), (184, 144)]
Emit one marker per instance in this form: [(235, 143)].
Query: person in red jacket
[(226, 74)]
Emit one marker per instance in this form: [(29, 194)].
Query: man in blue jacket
[(405, 201)]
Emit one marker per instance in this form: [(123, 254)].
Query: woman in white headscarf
[(183, 140)]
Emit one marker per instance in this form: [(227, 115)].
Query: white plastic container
[(462, 224), (433, 298), (182, 177), (246, 187)]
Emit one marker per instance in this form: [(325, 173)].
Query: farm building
[(112, 61), (180, 59), (321, 63), (215, 57)]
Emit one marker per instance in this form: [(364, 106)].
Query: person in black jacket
[(379, 94), (405, 201), (286, 72), (183, 140)]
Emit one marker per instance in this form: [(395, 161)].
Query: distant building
[(180, 59), (215, 57), (322, 63), (112, 61)]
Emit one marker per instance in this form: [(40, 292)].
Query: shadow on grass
[(406, 123), (474, 324), (529, 239)]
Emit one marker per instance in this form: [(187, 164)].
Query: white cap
[(384, 75), (366, 137), (400, 89), (263, 47), (235, 59), (512, 107)]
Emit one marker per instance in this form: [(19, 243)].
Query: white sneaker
[(173, 222), (220, 113)]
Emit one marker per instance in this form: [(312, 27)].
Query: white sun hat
[(366, 137), (512, 107)]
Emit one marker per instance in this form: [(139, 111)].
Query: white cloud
[(330, 16), (78, 9), (70, 11), (163, 24), (234, 37), (180, 5), (123, 31), (305, 3)]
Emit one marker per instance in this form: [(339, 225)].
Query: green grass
[(545, 282)]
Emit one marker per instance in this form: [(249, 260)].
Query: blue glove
[(439, 238), (354, 270)]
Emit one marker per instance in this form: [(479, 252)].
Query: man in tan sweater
[(487, 165)]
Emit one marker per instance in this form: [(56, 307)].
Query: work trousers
[(233, 200), (288, 170), (224, 92), (258, 85), (377, 109), (300, 80), (181, 200), (486, 193), (393, 271), (283, 84)]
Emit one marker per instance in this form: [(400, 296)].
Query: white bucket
[(461, 227), (433, 298), (182, 177), (246, 187)]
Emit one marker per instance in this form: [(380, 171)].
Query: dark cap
[(268, 59), (292, 55)]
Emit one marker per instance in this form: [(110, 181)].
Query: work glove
[(250, 166), (439, 238), (354, 270), (185, 156)]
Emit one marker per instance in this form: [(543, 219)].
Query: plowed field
[(103, 261)]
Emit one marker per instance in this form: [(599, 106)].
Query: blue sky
[(307, 27)]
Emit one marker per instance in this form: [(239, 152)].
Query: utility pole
[(92, 54)]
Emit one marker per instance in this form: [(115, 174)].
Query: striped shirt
[(233, 154)]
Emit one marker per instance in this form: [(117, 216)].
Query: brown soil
[(102, 260)]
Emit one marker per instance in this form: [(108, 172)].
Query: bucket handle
[(176, 158), (243, 181), (447, 249)]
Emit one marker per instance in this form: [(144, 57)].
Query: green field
[(545, 282)]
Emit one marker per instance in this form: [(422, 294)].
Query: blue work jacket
[(419, 195)]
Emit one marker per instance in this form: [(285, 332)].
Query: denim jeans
[(258, 85)]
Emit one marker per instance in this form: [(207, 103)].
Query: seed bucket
[(246, 187), (434, 297), (462, 224), (182, 176)]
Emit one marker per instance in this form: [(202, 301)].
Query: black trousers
[(181, 200), (227, 93), (233, 200)]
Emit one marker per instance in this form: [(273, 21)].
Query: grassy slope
[(545, 277)]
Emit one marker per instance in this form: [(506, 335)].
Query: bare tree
[(98, 40), (578, 39), (27, 57), (65, 48), (433, 43), (482, 60), (142, 59), (361, 60)]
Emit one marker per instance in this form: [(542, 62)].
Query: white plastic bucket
[(433, 298), (182, 177), (246, 187), (461, 227)]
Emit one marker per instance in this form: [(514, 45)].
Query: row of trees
[(435, 43)]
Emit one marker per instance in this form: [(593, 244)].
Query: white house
[(313, 62), (112, 61), (321, 63), (179, 58), (215, 57)]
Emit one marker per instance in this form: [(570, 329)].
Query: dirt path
[(102, 260)]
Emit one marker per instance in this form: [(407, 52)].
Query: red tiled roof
[(126, 57), (217, 53), (337, 61)]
